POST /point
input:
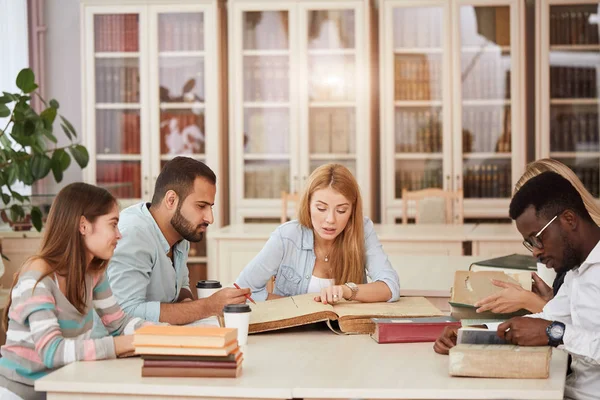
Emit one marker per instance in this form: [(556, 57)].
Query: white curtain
[(14, 51)]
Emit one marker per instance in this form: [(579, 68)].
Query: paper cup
[(206, 288), (238, 316), (547, 274)]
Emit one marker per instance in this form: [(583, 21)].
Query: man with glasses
[(558, 230)]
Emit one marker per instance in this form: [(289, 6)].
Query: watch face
[(557, 332)]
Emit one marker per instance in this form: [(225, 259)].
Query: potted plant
[(29, 150)]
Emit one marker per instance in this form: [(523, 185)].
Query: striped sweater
[(45, 331)]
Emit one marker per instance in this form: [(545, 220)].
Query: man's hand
[(525, 331), (446, 341), (220, 299), (512, 298), (540, 288)]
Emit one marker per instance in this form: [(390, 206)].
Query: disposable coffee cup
[(238, 316), (207, 288), (547, 274)]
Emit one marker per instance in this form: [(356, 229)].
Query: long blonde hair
[(548, 164), (347, 257), (63, 248)]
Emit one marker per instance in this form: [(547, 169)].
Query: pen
[(247, 295)]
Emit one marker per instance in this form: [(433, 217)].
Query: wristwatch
[(555, 332), (354, 287)]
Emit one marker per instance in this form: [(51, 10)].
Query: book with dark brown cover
[(411, 330), (191, 372), (235, 356), (191, 364)]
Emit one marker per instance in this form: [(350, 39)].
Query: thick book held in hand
[(510, 263), (500, 361), (353, 317)]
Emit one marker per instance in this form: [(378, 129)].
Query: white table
[(309, 364)]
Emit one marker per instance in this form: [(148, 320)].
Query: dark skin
[(567, 242)]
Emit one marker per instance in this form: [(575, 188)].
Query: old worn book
[(353, 317), (174, 372), (191, 364), (188, 351), (500, 361), (183, 336), (476, 335), (471, 286), (233, 357), (510, 264), (411, 330)]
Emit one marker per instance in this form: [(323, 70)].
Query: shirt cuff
[(108, 343), (150, 311)]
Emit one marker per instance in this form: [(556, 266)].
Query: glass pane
[(117, 80), (182, 131), (118, 132), (418, 27), (575, 24), (587, 170), (417, 175), (266, 131), (486, 178), (181, 79), (574, 128), (418, 130), (486, 129), (332, 130), (121, 178), (418, 77), (331, 77), (331, 29), (266, 78), (181, 32), (266, 179), (266, 30), (116, 32)]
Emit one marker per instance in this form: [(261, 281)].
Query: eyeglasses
[(534, 240)]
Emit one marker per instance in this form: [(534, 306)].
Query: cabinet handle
[(294, 184), (458, 182), (146, 191)]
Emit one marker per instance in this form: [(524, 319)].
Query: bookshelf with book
[(299, 92), (567, 107), (447, 121), (151, 90)]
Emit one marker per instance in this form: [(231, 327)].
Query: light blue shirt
[(140, 273), (289, 255)]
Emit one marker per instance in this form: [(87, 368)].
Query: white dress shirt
[(577, 305)]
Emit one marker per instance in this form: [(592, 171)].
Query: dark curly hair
[(550, 194)]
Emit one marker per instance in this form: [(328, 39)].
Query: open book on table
[(353, 317)]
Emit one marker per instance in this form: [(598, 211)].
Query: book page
[(286, 308), (405, 307)]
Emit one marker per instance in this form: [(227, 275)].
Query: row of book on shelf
[(417, 77), (487, 130), (267, 132), (181, 32), (589, 175), (571, 131), (570, 25), (116, 32), (573, 82), (118, 132), (418, 131), (479, 181), (265, 180), (116, 82), (121, 178), (187, 351)]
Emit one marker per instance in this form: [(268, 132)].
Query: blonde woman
[(514, 298), (328, 251)]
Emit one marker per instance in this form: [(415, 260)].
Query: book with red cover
[(411, 330), (191, 364)]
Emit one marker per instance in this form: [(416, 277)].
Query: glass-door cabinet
[(568, 71), (299, 98), (450, 100), (151, 92)]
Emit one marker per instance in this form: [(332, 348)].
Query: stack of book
[(188, 351)]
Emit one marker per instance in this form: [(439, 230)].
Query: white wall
[(63, 74)]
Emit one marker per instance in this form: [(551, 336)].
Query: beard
[(569, 257), (185, 228)]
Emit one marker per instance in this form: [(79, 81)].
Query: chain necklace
[(326, 258)]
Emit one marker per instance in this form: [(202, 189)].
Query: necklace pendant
[(327, 258)]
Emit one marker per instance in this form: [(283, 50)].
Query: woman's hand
[(333, 294), (512, 298), (123, 344)]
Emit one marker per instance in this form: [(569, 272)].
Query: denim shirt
[(289, 255), (140, 273)]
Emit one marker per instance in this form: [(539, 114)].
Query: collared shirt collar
[(163, 241), (592, 258), (308, 238)]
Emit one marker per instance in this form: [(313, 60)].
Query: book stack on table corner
[(188, 351)]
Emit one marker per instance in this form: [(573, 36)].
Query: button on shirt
[(289, 254), (577, 306), (140, 273)]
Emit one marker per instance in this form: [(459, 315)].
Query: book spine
[(409, 333)]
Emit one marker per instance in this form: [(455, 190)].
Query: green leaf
[(29, 128), (11, 96), (49, 114), (17, 130), (4, 111), (62, 159), (16, 213), (66, 131), (57, 172), (17, 196), (68, 126), (36, 218), (54, 104), (12, 174), (5, 99), (49, 135), (26, 80), (40, 166), (80, 154), (5, 198)]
